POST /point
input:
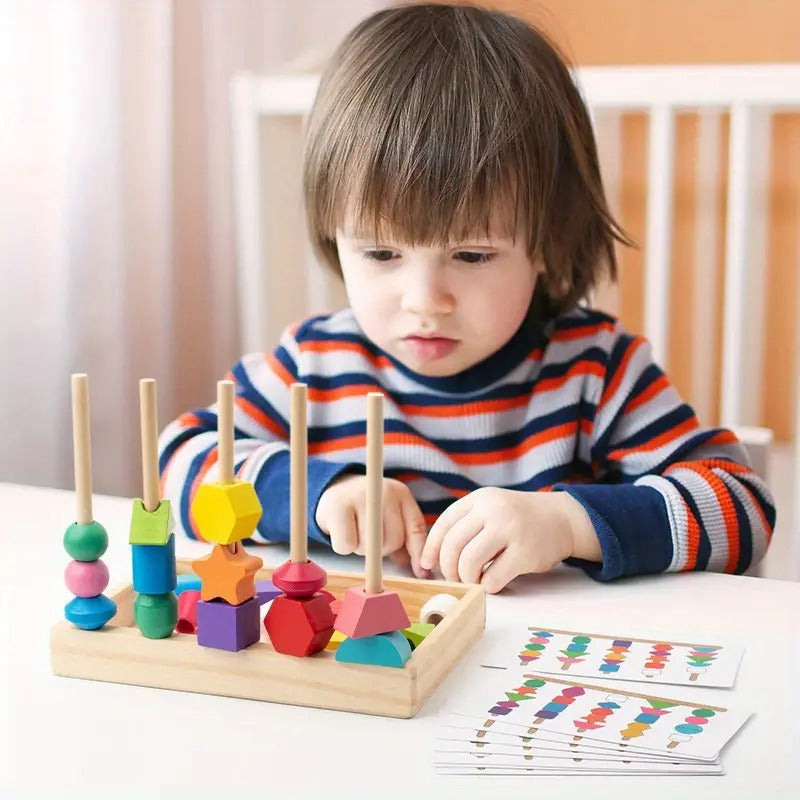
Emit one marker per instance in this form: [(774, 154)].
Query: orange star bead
[(228, 576)]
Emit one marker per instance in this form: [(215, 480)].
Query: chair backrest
[(748, 94)]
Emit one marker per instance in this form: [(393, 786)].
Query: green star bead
[(86, 542)]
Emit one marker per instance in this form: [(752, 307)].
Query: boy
[(451, 179)]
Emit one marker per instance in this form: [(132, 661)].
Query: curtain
[(117, 253)]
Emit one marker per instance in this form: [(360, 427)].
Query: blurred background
[(119, 208)]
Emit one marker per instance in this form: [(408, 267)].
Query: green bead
[(86, 542), (150, 527), (156, 615)]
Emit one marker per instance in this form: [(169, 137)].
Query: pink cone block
[(86, 578), (365, 614), (187, 611)]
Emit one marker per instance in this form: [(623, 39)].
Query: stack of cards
[(551, 724)]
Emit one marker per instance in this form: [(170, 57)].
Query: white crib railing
[(750, 94)]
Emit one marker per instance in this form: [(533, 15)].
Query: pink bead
[(86, 578)]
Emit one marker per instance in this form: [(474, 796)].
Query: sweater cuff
[(272, 487), (632, 525)]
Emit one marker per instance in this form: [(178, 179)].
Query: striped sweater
[(577, 406)]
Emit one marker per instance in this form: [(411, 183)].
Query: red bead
[(299, 626), (299, 580)]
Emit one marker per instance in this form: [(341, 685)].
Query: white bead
[(437, 608)]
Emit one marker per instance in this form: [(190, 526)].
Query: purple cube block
[(226, 627), (266, 591)]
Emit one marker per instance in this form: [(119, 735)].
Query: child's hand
[(518, 532), (342, 515)]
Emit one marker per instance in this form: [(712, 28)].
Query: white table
[(72, 738)]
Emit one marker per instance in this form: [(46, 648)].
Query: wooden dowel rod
[(225, 430), (82, 448), (148, 414), (298, 462), (374, 556)]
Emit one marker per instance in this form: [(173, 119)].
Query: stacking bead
[(156, 615), (86, 578), (86, 542), (154, 570), (90, 613)]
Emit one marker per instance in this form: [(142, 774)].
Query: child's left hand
[(513, 532)]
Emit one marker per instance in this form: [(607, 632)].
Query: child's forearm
[(585, 544)]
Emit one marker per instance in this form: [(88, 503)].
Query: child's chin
[(440, 368)]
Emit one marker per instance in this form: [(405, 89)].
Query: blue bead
[(154, 567), (90, 613), (186, 582)]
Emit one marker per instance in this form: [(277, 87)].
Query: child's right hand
[(342, 516)]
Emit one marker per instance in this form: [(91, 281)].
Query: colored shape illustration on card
[(592, 715), (592, 655)]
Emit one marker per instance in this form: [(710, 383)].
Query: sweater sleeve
[(667, 495), (188, 446)]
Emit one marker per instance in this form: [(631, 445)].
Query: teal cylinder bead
[(156, 615), (86, 542), (154, 569)]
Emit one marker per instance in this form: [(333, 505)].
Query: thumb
[(416, 534)]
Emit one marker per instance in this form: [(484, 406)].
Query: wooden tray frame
[(118, 653)]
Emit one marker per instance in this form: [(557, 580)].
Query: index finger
[(452, 514), (416, 534)]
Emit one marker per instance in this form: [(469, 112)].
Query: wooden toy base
[(120, 654)]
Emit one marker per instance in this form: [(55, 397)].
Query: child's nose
[(424, 294)]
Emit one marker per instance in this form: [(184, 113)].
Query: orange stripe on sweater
[(621, 370), (570, 334), (279, 369), (257, 415), (724, 437), (723, 496), (659, 441), (649, 393), (567, 430), (740, 469), (578, 368), (345, 347)]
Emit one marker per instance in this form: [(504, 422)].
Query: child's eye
[(470, 257), (379, 255)]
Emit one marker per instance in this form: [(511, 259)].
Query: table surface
[(74, 738)]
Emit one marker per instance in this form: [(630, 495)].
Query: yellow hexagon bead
[(226, 514)]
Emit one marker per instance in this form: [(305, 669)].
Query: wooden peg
[(374, 515), (81, 448), (298, 461), (149, 437), (371, 610), (225, 431)]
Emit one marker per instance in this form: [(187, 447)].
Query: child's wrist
[(584, 542)]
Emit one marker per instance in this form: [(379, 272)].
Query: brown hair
[(431, 116)]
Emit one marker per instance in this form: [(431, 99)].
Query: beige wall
[(598, 32)]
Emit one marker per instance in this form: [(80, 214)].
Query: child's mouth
[(430, 348)]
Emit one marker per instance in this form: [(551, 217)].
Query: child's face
[(438, 309)]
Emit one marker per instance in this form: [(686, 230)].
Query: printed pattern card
[(593, 715), (592, 655), (464, 729)]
